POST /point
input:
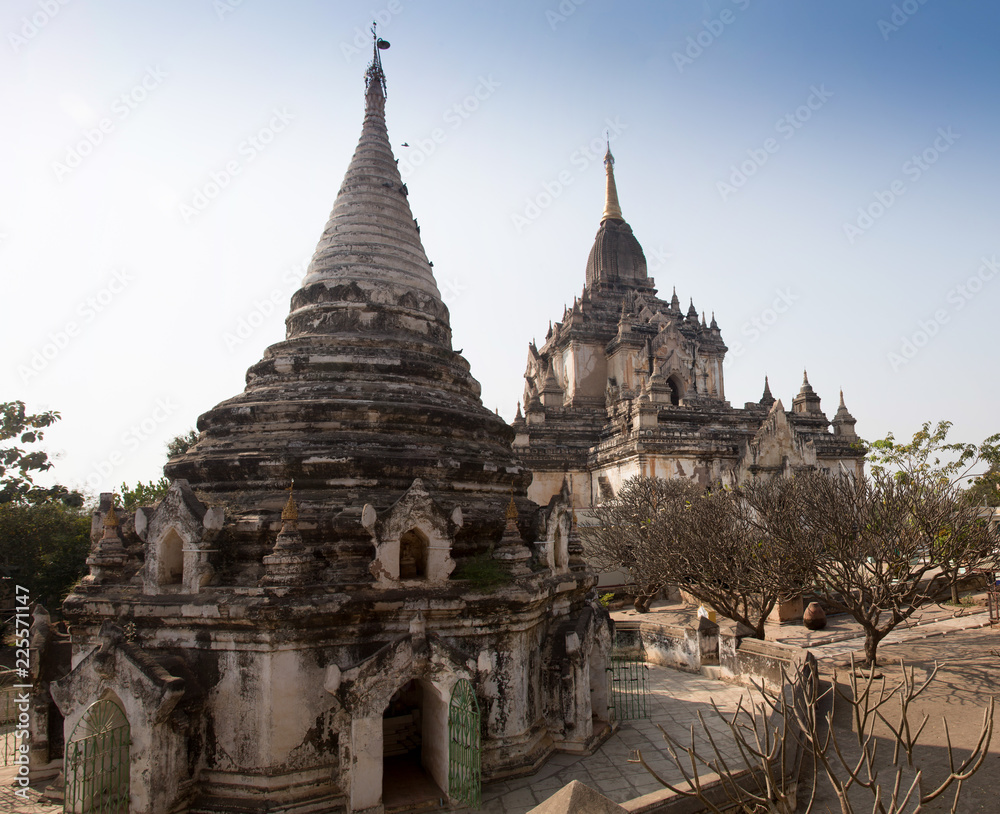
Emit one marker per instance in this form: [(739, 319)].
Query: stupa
[(345, 592)]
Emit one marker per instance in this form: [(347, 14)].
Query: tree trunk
[(872, 638)]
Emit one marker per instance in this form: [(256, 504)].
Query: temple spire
[(371, 239), (612, 211)]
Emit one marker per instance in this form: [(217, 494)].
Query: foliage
[(708, 542), (143, 494), (930, 457), (607, 599), (19, 464), (181, 443), (631, 528), (985, 489), (783, 731), (43, 547), (483, 572), (885, 545)]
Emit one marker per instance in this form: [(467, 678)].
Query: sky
[(822, 176)]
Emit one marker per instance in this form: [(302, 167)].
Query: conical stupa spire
[(371, 239), (612, 211)]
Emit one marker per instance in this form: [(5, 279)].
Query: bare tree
[(782, 734), (708, 542), (725, 557), (630, 532), (886, 545)]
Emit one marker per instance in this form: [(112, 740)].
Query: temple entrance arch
[(97, 761), (414, 745)]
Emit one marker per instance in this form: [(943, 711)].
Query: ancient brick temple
[(346, 591), (629, 384)]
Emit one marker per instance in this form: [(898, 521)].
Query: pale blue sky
[(166, 313)]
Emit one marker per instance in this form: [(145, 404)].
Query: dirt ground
[(968, 678)]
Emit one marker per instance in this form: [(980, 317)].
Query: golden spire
[(612, 211), (512, 509), (291, 511), (111, 519)]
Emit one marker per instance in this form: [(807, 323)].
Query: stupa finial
[(291, 510), (612, 211), (375, 72)]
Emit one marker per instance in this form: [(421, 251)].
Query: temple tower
[(345, 585)]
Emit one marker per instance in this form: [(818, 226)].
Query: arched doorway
[(675, 391), (413, 555), (411, 739), (97, 762)]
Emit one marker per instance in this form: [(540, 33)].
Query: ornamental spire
[(612, 211)]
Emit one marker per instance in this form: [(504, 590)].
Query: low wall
[(742, 660), (752, 661)]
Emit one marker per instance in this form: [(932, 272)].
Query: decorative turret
[(843, 422), (767, 399), (806, 401), (109, 556)]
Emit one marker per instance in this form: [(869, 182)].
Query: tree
[(885, 545), (709, 542), (44, 548), (784, 731), (19, 465), (985, 489), (630, 532), (724, 556), (181, 443), (930, 459), (143, 494)]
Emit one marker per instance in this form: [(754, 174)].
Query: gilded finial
[(291, 510), (612, 211), (512, 509), (111, 518)]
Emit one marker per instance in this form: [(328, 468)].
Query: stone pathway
[(674, 702), (13, 803)]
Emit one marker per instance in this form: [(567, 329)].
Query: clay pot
[(814, 616)]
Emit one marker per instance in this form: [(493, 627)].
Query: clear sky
[(822, 175)]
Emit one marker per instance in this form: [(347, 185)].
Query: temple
[(346, 593), (629, 384)]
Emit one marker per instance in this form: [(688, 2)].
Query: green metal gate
[(97, 762), (464, 776), (8, 718), (628, 676)]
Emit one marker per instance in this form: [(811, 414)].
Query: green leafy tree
[(181, 443), (143, 494), (21, 461), (44, 533), (44, 548), (937, 464), (985, 490)]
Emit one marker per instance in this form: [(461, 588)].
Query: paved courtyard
[(675, 700)]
